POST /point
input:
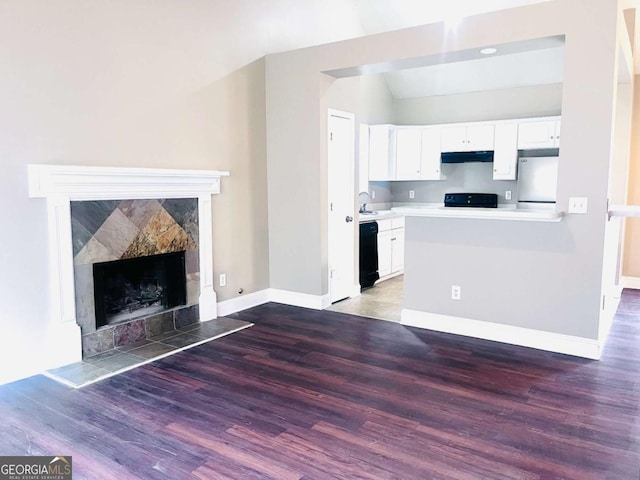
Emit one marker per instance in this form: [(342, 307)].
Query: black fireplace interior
[(126, 289)]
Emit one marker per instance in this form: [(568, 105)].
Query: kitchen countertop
[(624, 211), (503, 212), (379, 215)]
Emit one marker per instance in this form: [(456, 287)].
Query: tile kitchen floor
[(382, 301), (125, 358)]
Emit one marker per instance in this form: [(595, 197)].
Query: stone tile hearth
[(145, 350), (114, 336)]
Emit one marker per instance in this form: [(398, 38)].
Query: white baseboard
[(630, 282), (524, 337), (233, 305), (391, 275), (306, 300)]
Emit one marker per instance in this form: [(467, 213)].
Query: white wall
[(145, 83)]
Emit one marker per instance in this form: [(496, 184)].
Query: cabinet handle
[(393, 239)]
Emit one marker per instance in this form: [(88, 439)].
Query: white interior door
[(342, 228)]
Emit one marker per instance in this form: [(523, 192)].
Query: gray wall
[(138, 84), (533, 101), (518, 273), (568, 289)]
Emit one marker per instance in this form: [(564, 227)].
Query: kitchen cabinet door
[(384, 253), (543, 134), (408, 153), (379, 160), (505, 154), (467, 138), (430, 164), (480, 137), (397, 250), (453, 139)]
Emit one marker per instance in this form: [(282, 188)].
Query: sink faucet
[(364, 198)]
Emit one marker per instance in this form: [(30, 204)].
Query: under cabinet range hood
[(464, 157)]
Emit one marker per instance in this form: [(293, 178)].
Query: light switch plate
[(578, 204)]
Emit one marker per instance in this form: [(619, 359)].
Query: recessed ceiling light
[(488, 51)]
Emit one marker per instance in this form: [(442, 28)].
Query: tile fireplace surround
[(178, 200)]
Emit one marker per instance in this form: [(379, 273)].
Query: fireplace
[(104, 214), (137, 287)]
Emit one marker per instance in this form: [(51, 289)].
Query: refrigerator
[(537, 180)]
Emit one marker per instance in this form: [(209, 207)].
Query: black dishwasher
[(368, 254)]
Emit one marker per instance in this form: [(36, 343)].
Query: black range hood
[(464, 157)]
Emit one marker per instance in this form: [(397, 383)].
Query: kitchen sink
[(368, 213)]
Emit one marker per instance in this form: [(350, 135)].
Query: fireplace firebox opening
[(135, 287)]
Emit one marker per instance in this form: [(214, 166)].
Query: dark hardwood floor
[(308, 394)]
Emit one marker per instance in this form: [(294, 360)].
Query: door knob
[(348, 219)]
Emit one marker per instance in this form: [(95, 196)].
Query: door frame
[(355, 289)]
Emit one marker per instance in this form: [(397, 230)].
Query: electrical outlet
[(412, 194), (456, 292), (578, 204), (223, 280), (507, 195), (373, 194)]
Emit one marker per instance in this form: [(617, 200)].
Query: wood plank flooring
[(311, 395)]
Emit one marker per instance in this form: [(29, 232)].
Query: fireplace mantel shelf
[(62, 184), (102, 183)]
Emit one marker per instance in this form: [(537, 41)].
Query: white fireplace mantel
[(60, 184)]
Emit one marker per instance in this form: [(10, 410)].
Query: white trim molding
[(297, 299), (497, 332), (61, 184), (250, 300), (115, 183)]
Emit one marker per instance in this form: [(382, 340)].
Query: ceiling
[(537, 67)]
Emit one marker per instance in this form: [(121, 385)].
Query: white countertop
[(624, 211), (506, 212), (378, 215)]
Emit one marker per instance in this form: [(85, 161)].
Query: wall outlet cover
[(456, 292), (223, 280), (578, 204), (507, 195), (412, 194)]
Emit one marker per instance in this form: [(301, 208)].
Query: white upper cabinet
[(539, 134), (417, 153), (380, 167), (414, 152), (430, 164), (467, 138), (505, 153), (408, 153)]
